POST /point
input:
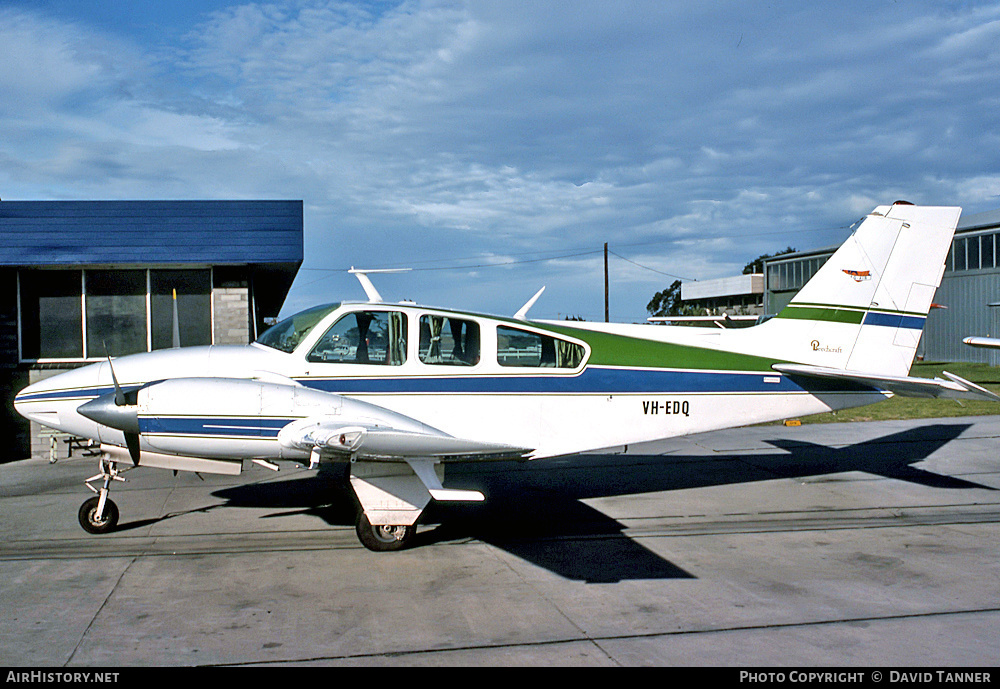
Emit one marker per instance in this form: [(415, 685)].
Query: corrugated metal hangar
[(83, 279), (969, 295)]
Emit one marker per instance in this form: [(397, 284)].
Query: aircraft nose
[(39, 402), (21, 402), (105, 411), (61, 392)]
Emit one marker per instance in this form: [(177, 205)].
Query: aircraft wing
[(380, 442), (991, 342), (420, 449), (904, 386)]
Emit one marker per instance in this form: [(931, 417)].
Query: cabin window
[(364, 337), (517, 347), (448, 341), (286, 335)]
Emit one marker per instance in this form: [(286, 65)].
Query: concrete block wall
[(231, 304)]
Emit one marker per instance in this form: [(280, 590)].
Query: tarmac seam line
[(598, 640), (100, 610)]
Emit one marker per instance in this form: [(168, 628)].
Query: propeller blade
[(132, 443), (119, 395), (131, 439)]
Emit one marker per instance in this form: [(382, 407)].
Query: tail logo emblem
[(817, 347), (859, 275)]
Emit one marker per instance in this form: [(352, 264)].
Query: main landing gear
[(99, 514), (390, 499), (383, 538), (392, 495)]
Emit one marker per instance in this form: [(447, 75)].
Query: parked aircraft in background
[(401, 390), (988, 342), (723, 320)]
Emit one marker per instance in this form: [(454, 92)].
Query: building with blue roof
[(83, 279)]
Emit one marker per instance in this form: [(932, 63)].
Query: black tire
[(382, 539), (87, 513)]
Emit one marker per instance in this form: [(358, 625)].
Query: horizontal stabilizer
[(904, 386)]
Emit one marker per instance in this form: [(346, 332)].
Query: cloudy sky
[(495, 146)]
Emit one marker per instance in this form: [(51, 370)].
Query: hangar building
[(83, 279), (738, 295)]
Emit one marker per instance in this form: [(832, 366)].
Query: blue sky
[(495, 147)]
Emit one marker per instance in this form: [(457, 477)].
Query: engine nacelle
[(227, 418)]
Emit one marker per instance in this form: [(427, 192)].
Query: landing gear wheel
[(383, 538), (88, 516)]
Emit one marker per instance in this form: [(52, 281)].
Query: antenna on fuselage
[(366, 283), (522, 314)]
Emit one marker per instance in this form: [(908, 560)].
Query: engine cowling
[(228, 418)]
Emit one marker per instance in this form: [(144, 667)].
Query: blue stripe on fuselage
[(593, 380)]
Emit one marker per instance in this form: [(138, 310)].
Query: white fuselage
[(607, 399)]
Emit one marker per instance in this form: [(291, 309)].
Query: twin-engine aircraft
[(401, 390)]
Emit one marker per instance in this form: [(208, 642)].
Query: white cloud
[(420, 130), (43, 62)]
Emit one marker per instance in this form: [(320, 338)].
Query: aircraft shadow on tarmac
[(534, 509)]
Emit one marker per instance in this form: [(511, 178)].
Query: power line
[(654, 270), (572, 253), (467, 266), (498, 264)]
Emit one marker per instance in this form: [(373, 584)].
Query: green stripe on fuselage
[(619, 350), (608, 349)]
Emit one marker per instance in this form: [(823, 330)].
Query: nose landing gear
[(99, 514)]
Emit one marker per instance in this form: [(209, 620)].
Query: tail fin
[(865, 309)]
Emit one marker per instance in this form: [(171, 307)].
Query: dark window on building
[(959, 252), (194, 307), (116, 312), (58, 306), (972, 254), (51, 318), (988, 251)]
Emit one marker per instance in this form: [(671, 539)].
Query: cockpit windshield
[(286, 335)]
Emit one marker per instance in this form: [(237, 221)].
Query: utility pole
[(607, 313)]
